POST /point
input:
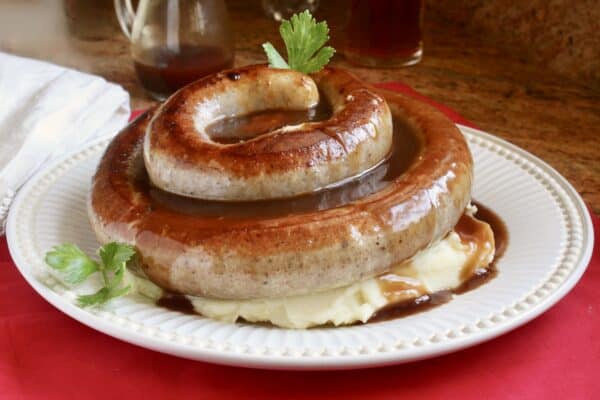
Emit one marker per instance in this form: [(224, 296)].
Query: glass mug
[(175, 42), (284, 9), (385, 33)]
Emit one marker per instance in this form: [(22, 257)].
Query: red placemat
[(46, 355)]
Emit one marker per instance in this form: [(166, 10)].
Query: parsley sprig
[(304, 39), (76, 267)]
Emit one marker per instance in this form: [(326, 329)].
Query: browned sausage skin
[(181, 157)]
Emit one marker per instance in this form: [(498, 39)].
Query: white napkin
[(46, 111)]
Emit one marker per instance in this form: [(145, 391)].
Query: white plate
[(550, 244)]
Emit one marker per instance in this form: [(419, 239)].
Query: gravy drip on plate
[(465, 229), (176, 302)]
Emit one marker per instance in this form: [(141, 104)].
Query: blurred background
[(562, 36)]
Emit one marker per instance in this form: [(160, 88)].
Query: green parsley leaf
[(118, 292), (100, 297), (77, 267), (117, 278), (114, 255), (319, 61), (275, 59), (304, 39), (72, 262)]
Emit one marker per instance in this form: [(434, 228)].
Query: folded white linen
[(46, 111)]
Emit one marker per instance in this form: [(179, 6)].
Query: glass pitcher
[(175, 42)]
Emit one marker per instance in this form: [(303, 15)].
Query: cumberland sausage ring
[(185, 246), (182, 158)]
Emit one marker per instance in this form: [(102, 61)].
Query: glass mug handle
[(125, 15)]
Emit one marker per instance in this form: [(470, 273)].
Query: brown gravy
[(498, 227), (238, 129), (176, 302)]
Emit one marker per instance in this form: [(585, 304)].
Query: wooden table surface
[(549, 116)]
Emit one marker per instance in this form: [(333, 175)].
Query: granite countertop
[(550, 116)]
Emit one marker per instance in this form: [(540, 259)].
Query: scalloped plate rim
[(294, 362)]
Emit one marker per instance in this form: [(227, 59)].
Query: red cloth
[(45, 354)]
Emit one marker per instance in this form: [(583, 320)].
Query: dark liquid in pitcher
[(162, 71)]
